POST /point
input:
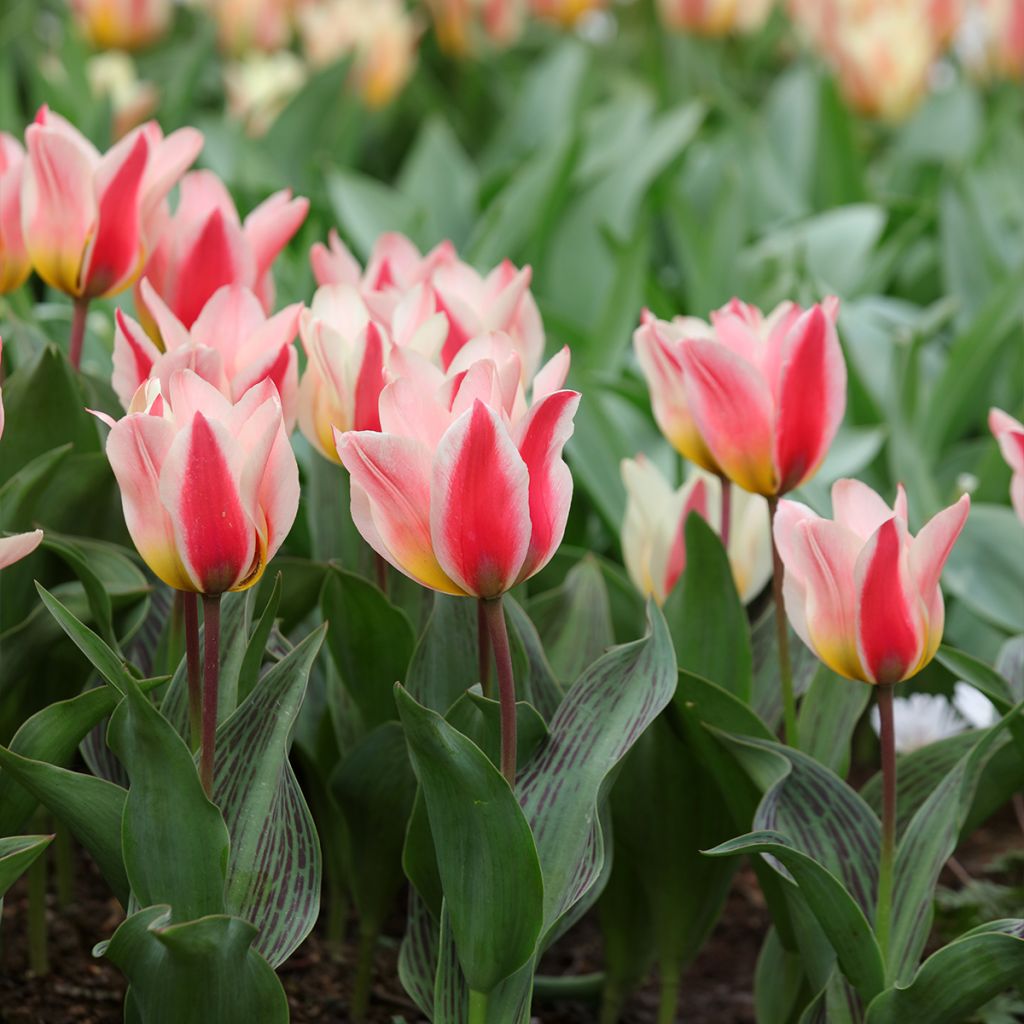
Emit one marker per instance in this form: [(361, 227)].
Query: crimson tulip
[(1010, 435)]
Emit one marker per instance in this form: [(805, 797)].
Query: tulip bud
[(89, 219), (860, 591), (210, 489), (1010, 435), (15, 265)]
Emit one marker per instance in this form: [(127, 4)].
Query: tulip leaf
[(174, 841), (838, 914), (766, 694), (91, 808), (486, 856), (19, 491), (444, 663), (274, 866), (417, 957), (600, 718), (829, 713), (978, 674), (199, 970), (99, 599), (535, 679), (958, 979), (706, 617), (778, 981), (16, 855), (370, 641), (257, 648)]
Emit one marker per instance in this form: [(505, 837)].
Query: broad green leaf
[(274, 866), (99, 599), (199, 970), (977, 673), (256, 650), (705, 616), (778, 980), (485, 853), (366, 208), (958, 979), (835, 910), (417, 957), (535, 679), (766, 695), (370, 640), (18, 493), (829, 713), (91, 808), (174, 841), (444, 663), (16, 854)]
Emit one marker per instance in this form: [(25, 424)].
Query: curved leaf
[(16, 855)]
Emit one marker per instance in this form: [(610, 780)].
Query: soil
[(81, 989)]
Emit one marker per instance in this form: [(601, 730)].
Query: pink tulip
[(89, 219), (467, 26), (1010, 435), (464, 490), (15, 265), (205, 246), (715, 17), (232, 345), (123, 24), (859, 590), (767, 396), (209, 489), (566, 12)]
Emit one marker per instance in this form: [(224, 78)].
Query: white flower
[(974, 707), (920, 720)]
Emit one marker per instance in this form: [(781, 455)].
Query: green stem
[(190, 608), (495, 614), (569, 986), (887, 735), (612, 1001), (211, 683), (38, 955), (669, 997), (78, 318), (782, 633), (483, 648), (477, 1007), (364, 970), (337, 914), (64, 861)]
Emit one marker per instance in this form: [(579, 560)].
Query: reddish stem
[(725, 524), (195, 691), (78, 318), (483, 647), (506, 685), (211, 681)]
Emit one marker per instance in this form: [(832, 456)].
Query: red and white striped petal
[(188, 393), (20, 545), (133, 359), (394, 474), (810, 400), (172, 332), (732, 409), (480, 507), (270, 227), (891, 633), (1009, 432), (696, 502), (541, 437), (552, 375), (169, 158), (215, 256), (860, 509), (333, 263)]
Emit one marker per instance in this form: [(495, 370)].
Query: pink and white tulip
[(210, 489), (123, 24), (466, 27), (232, 345), (456, 491), (566, 12), (653, 531), (715, 17), (860, 591), (205, 246), (89, 220), (15, 265), (1010, 435)]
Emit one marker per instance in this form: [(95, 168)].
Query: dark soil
[(80, 989)]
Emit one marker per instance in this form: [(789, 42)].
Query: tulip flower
[(653, 537), (715, 17), (998, 46), (465, 27), (566, 12), (260, 85), (15, 265), (205, 246), (232, 345), (464, 497), (380, 35), (113, 78), (90, 219), (1010, 435), (20, 545), (122, 24), (245, 25)]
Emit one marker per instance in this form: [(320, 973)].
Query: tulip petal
[(732, 408), (890, 628), (480, 504), (551, 376), (333, 263), (542, 436), (928, 553), (811, 398), (857, 507), (173, 333), (14, 549), (409, 410), (134, 356), (215, 258), (394, 475), (696, 502), (270, 227), (370, 380)]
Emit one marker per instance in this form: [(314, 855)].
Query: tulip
[(245, 25), (653, 537), (464, 497), (380, 35), (1001, 36), (19, 546), (204, 246), (260, 85), (113, 77), (1010, 435), (232, 345), (122, 24), (566, 12), (468, 26), (15, 265), (715, 17)]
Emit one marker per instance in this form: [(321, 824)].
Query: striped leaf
[(958, 979), (417, 957), (829, 713), (535, 679), (274, 869), (16, 855)]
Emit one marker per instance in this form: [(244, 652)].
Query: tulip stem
[(887, 735), (381, 566), (364, 970), (477, 1007), (726, 520), (38, 954), (211, 680), (80, 311), (782, 632), (498, 631), (483, 647), (190, 604), (668, 999)]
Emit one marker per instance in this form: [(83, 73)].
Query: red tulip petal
[(134, 356), (270, 227)]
